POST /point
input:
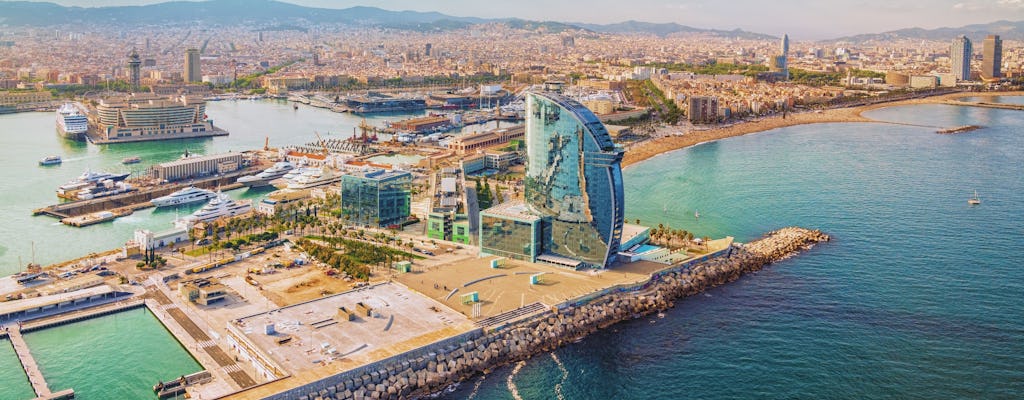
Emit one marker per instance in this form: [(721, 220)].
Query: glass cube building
[(376, 197), (573, 185)]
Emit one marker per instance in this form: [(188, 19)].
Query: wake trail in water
[(511, 385), (565, 376), (476, 387)]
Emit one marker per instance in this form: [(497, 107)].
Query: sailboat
[(974, 200), (696, 214)]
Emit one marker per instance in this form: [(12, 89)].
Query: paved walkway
[(226, 362)]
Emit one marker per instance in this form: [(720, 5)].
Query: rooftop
[(516, 209)]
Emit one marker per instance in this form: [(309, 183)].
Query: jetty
[(35, 377), (958, 129), (985, 104)]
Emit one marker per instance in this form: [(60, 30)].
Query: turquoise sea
[(917, 297)]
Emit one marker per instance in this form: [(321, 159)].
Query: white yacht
[(220, 206), (90, 178), (263, 178), (318, 177), (187, 195)]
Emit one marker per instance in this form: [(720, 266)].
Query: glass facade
[(509, 237), (378, 197), (573, 180)]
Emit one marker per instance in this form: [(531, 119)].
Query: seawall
[(434, 367)]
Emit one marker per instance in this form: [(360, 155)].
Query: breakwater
[(435, 367)]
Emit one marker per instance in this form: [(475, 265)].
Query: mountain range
[(260, 13)]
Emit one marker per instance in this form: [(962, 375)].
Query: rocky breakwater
[(423, 375)]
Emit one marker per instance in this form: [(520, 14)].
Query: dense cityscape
[(313, 203)]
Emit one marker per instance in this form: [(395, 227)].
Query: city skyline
[(806, 21)]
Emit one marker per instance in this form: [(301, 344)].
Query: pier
[(1004, 106), (35, 377), (137, 200)]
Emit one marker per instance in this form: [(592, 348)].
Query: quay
[(98, 217), (138, 200), (35, 377)]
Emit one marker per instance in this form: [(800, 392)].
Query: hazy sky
[(802, 19)]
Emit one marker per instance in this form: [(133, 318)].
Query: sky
[(802, 19)]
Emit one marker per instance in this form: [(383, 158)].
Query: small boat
[(50, 160), (696, 214), (974, 200), (131, 160)]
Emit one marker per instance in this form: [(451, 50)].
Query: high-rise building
[(192, 71), (778, 64), (426, 49), (702, 109), (992, 58), (960, 58), (572, 212), (134, 67)]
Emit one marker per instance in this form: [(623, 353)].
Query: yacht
[(263, 178), (104, 188), (315, 178), (220, 206), (90, 178), (187, 195), (292, 175), (71, 122), (50, 160)]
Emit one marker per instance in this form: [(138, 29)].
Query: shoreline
[(648, 149)]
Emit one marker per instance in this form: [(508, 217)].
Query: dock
[(139, 199), (97, 217), (35, 377)]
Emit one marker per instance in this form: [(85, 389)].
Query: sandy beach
[(650, 148)]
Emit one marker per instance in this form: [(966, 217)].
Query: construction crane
[(322, 143)]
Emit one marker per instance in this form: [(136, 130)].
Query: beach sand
[(650, 148)]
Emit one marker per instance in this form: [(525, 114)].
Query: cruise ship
[(187, 195), (71, 122), (263, 178), (318, 177), (90, 178), (220, 206)]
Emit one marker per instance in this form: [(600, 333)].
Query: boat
[(187, 195), (89, 178), (104, 188), (220, 206), (71, 122), (50, 160), (974, 200), (131, 160), (318, 177), (263, 178)]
